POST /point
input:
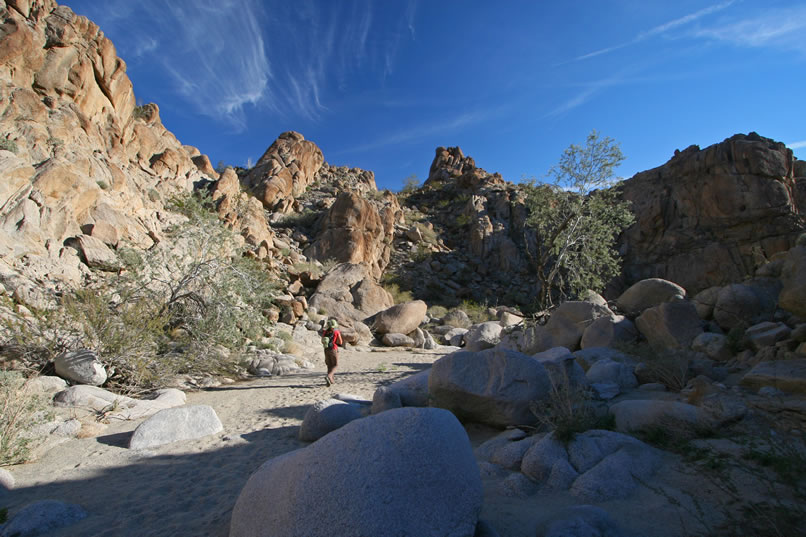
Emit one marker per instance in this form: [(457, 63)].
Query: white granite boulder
[(116, 406), (483, 336), (81, 367), (401, 318), (455, 336), (326, 416), (594, 466), (494, 386), (174, 425), (410, 391), (610, 371), (408, 471), (569, 321), (393, 339), (715, 346), (562, 367)]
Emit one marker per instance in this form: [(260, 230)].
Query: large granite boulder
[(401, 318), (81, 366), (408, 471), (607, 331), (326, 416), (349, 294), (744, 304), (174, 425), (483, 336), (569, 321), (670, 325), (494, 386), (648, 294), (410, 391)]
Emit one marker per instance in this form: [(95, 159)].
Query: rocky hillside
[(87, 171), (84, 168)]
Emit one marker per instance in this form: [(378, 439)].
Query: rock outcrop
[(80, 158), (711, 217), (355, 231), (287, 167)]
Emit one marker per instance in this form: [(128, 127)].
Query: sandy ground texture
[(189, 488)]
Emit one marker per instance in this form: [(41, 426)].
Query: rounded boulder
[(407, 471)]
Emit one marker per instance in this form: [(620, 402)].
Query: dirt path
[(189, 488)]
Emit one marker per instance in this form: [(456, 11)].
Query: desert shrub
[(153, 195), (140, 112), (437, 311), (428, 234), (168, 311), (667, 366), (20, 409), (303, 219), (329, 263), (569, 410), (398, 295), (477, 312), (421, 253), (103, 185), (9, 145), (462, 220)]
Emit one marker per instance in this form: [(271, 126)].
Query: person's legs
[(331, 361)]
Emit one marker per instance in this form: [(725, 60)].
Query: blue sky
[(379, 84)]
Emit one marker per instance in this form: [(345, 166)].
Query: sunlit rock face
[(78, 157), (287, 167), (709, 217)]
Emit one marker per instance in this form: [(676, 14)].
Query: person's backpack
[(329, 340)]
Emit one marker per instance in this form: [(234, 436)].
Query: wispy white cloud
[(216, 52), (589, 91), (425, 130), (660, 29), (797, 145), (778, 28)]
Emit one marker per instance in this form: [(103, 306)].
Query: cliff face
[(710, 217), (79, 158)]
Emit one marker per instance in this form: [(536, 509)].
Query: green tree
[(576, 219)]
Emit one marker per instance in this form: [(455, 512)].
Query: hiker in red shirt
[(331, 339)]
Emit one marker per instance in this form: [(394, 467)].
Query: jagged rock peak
[(287, 167), (452, 165)]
